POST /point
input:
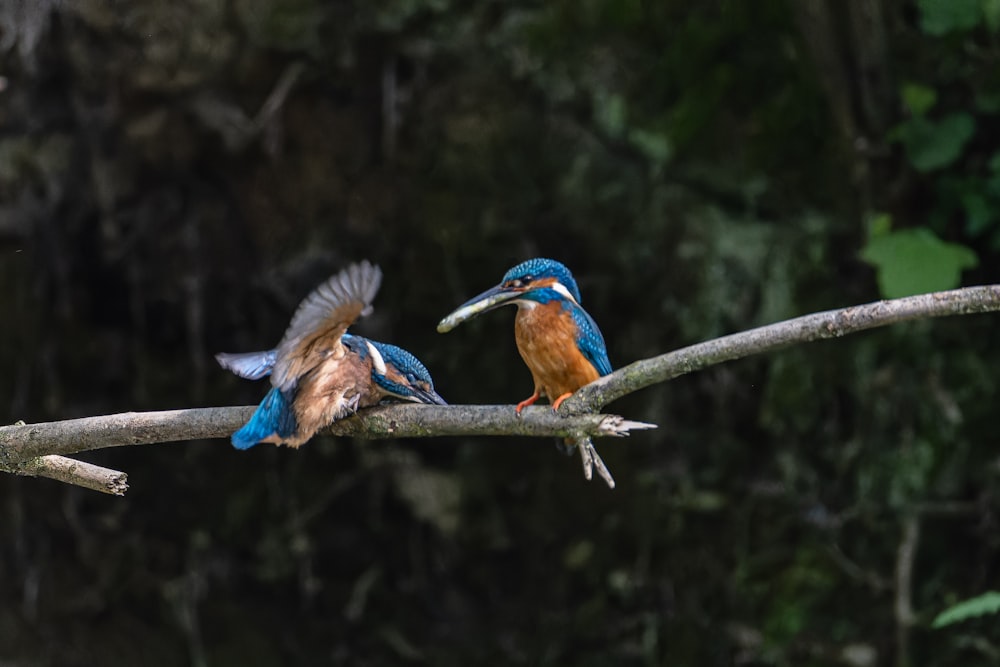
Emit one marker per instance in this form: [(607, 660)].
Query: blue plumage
[(590, 340), (589, 337), (560, 343), (543, 295), (558, 340), (539, 267), (273, 417), (314, 381), (405, 376)]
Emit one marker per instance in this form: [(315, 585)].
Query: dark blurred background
[(176, 176)]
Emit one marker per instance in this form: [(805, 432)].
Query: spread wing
[(590, 340), (248, 365), (321, 319)]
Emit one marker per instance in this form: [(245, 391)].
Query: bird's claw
[(525, 403)]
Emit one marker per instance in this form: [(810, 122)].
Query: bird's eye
[(528, 278)]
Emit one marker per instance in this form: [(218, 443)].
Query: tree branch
[(23, 442), (71, 471), (818, 326), (28, 448), (906, 556)]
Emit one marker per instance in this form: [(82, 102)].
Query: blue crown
[(545, 268), (404, 362)]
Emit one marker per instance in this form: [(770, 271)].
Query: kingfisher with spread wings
[(320, 373)]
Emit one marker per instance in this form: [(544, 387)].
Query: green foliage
[(915, 261), (910, 466), (980, 213), (918, 98), (987, 603), (952, 120), (290, 24), (991, 14), (655, 146), (693, 165), (939, 17), (933, 144), (610, 113)]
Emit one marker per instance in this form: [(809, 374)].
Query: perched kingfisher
[(557, 339), (394, 369), (319, 372)]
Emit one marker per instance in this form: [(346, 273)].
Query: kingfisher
[(319, 372), (558, 340), (400, 374)]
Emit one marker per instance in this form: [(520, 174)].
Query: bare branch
[(906, 556), (26, 448), (71, 471), (818, 326), (278, 95), (23, 442)]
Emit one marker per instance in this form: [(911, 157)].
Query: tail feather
[(273, 417)]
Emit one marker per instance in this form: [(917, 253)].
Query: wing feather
[(590, 340), (249, 365), (321, 319)]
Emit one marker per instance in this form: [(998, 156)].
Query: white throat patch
[(377, 359), (565, 293)]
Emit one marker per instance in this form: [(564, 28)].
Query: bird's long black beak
[(429, 396), (488, 300)]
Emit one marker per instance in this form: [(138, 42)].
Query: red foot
[(526, 402), (556, 403)]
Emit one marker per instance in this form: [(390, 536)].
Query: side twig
[(71, 471), (906, 556)]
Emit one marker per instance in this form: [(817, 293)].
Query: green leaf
[(939, 17), (918, 98), (991, 12), (578, 555), (704, 501), (987, 101), (987, 603), (653, 145), (910, 472), (879, 224), (931, 145), (610, 113), (980, 213), (915, 261)]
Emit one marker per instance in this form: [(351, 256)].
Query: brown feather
[(546, 339), (313, 337)]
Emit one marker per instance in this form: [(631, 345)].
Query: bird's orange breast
[(546, 338)]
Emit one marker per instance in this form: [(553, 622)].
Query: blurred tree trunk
[(847, 44)]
